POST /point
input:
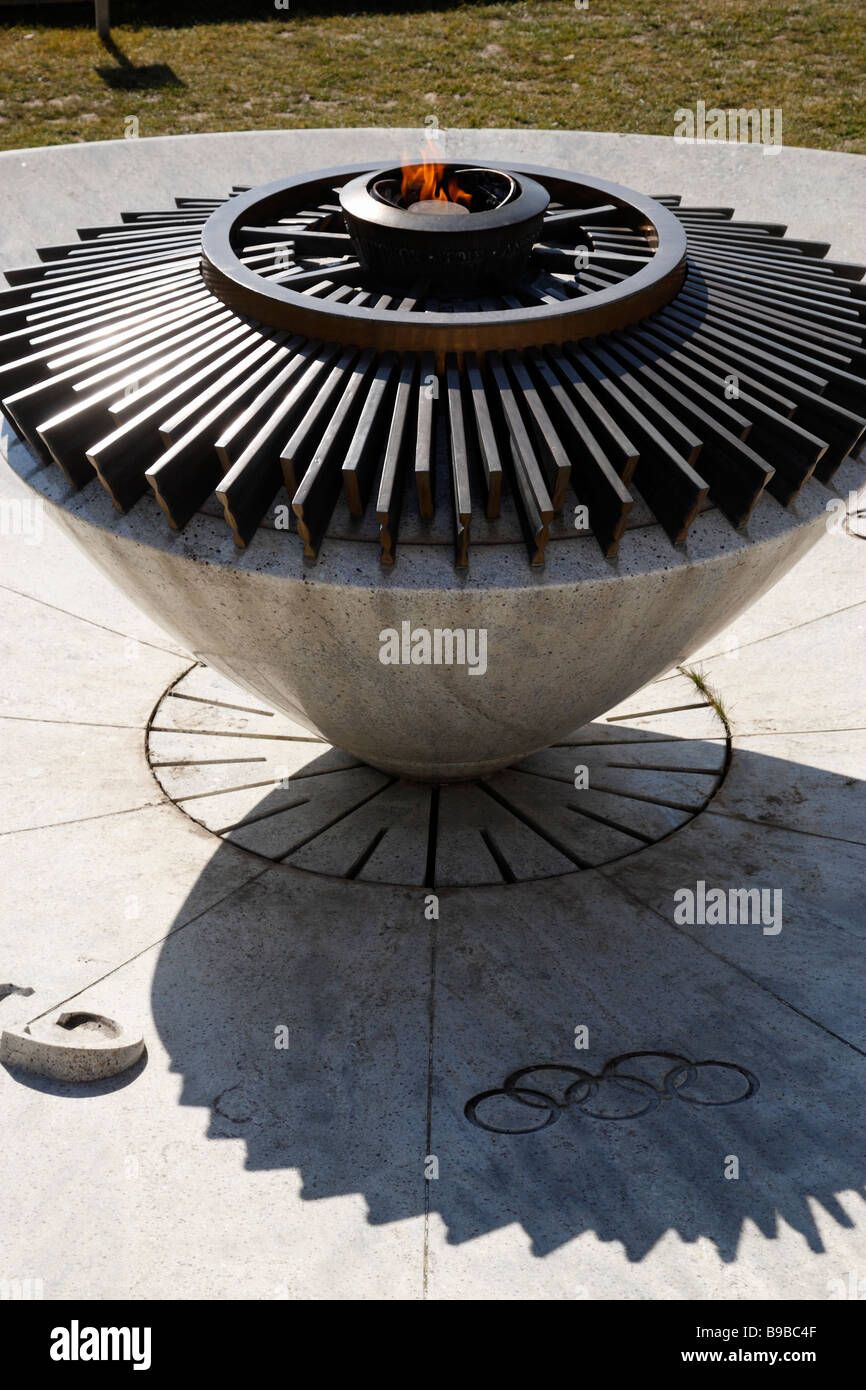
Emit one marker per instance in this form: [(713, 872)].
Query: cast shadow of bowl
[(310, 1016)]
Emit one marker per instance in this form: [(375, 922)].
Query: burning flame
[(426, 182)]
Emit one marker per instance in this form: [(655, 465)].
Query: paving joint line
[(69, 723), (151, 945), (734, 965), (790, 829), (78, 617), (769, 637), (82, 820)]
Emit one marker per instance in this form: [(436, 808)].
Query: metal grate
[(270, 787), (235, 350)]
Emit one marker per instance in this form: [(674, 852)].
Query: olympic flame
[(427, 182)]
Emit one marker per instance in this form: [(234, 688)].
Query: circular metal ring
[(652, 1101), (610, 1066), (279, 306), (591, 1083), (470, 1110), (584, 1078), (674, 1090)]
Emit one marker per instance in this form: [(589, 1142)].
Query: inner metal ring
[(584, 1078), (609, 1068), (651, 1103), (602, 311), (674, 1090), (470, 1110)]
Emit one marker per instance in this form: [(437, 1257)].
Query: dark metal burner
[(491, 244)]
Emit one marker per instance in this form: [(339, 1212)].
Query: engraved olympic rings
[(641, 1095)]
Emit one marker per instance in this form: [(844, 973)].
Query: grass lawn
[(203, 65)]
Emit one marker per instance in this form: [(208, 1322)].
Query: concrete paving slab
[(54, 773), (635, 1209), (324, 801), (683, 718), (823, 791), (587, 1208), (698, 755), (478, 836), (793, 682), (202, 699), (86, 674), (803, 941), (384, 840), (191, 748), (233, 1166), (81, 898)]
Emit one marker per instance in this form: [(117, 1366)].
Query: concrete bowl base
[(546, 652)]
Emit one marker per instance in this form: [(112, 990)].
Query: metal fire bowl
[(405, 248)]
